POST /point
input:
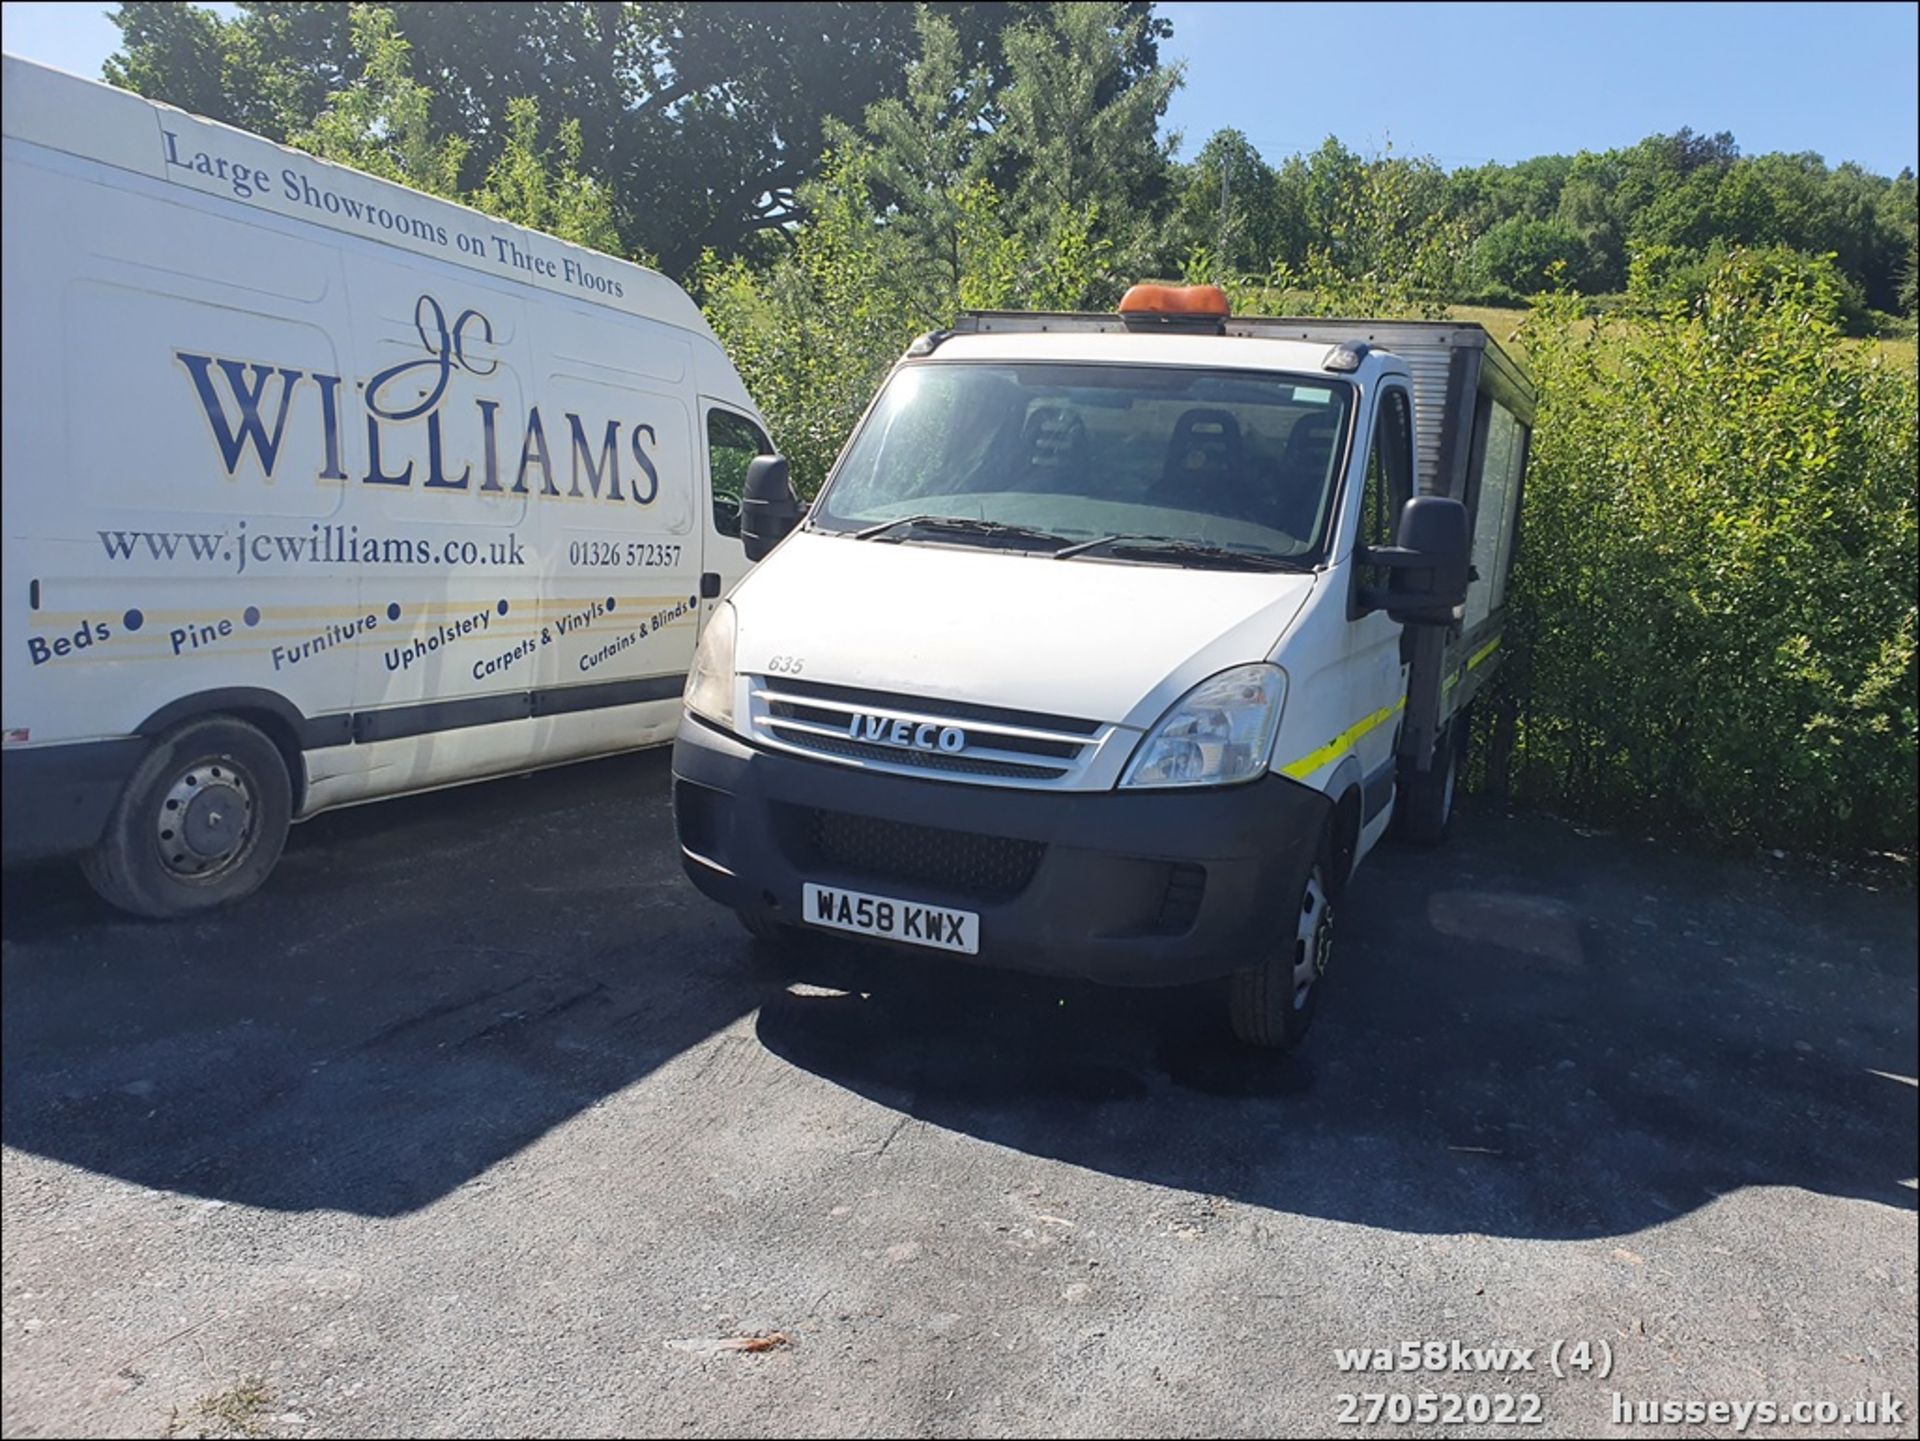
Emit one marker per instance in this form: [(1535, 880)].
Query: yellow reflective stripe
[(1342, 743), (1486, 650)]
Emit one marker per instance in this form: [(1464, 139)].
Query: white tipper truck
[(1112, 645)]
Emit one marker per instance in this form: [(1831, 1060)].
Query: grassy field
[(1501, 322)]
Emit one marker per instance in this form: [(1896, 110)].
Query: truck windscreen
[(1238, 459)]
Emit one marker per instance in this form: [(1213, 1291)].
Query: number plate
[(892, 920)]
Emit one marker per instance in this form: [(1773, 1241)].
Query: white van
[(318, 489), (1113, 644)]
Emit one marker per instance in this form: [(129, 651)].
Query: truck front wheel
[(201, 822), (1273, 1003)]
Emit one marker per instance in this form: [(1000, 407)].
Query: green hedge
[(1715, 590)]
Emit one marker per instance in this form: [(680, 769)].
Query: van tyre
[(202, 821), (1272, 1004)]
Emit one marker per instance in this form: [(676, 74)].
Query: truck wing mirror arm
[(1392, 557)]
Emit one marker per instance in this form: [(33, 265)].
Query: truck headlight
[(1220, 732), (709, 692)]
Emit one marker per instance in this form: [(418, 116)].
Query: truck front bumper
[(58, 797), (1124, 887)]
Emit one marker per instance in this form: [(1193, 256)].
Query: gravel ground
[(480, 1121)]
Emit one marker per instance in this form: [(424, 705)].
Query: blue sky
[(1471, 83), (1466, 83)]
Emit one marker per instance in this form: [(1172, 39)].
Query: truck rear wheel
[(1423, 802), (1273, 1004), (202, 821)]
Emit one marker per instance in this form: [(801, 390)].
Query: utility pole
[(1226, 169)]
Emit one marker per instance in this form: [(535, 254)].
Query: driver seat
[(1054, 441), (1303, 473), (1205, 468)]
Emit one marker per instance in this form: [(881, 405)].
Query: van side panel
[(178, 535), (382, 494), (624, 604), (349, 775), (116, 618), (449, 569), (423, 518)]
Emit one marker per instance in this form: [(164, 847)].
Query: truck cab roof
[(1446, 360), (1133, 347)]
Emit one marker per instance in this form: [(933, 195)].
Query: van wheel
[(201, 822), (1273, 1004), (1423, 804)]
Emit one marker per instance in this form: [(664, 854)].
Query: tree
[(1026, 134), (1078, 144), (1714, 601), (702, 120), (380, 122), (548, 191), (1322, 185), (1586, 208), (813, 332), (911, 220), (1379, 239), (1230, 215), (1523, 256), (270, 69), (1486, 195), (184, 55), (925, 155)]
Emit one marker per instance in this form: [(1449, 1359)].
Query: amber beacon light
[(1208, 301)]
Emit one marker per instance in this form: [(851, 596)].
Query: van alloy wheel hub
[(1313, 943), (205, 819)]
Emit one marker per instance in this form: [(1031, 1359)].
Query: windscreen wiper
[(1191, 550), (960, 525)]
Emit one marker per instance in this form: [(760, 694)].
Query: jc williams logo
[(262, 398)]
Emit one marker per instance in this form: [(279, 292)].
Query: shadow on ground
[(424, 987), (1533, 1033)]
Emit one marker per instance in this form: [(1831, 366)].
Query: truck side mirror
[(1427, 568), (1434, 528), (769, 509)]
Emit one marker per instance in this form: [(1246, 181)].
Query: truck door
[(732, 441), (1374, 653)]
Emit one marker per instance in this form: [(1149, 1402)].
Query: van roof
[(1231, 352), (85, 118)]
